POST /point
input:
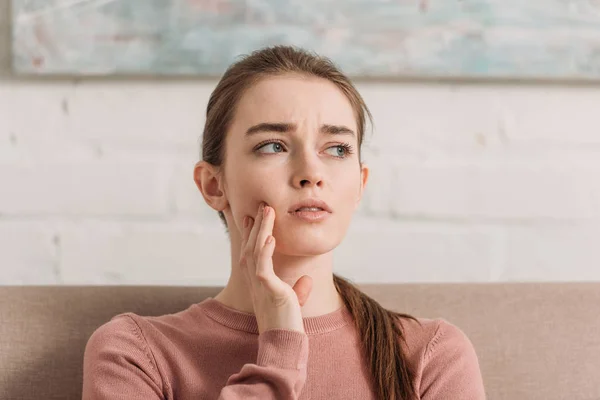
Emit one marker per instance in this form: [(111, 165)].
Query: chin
[(307, 245)]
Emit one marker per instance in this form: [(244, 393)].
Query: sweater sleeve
[(279, 373), (450, 368), (117, 364)]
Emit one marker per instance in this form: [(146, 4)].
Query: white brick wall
[(169, 252), (469, 182), (85, 188)]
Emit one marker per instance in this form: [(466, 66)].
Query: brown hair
[(378, 327)]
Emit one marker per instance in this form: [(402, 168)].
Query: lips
[(311, 216), (310, 203)]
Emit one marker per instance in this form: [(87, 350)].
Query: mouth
[(310, 205), (310, 214), (308, 209)]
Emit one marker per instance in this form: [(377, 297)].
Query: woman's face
[(306, 160)]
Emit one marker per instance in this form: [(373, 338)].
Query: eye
[(342, 150), (278, 147)]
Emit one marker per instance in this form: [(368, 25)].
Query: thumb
[(303, 287)]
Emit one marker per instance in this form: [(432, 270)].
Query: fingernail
[(262, 206), (266, 211)]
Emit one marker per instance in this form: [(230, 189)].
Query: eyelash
[(349, 149)]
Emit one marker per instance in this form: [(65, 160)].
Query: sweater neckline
[(246, 322)]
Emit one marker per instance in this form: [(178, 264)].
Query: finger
[(246, 276), (303, 287), (246, 227), (266, 229), (255, 228), (247, 265), (251, 244), (264, 268)]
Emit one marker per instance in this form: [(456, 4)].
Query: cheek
[(348, 191), (256, 182), (249, 187)]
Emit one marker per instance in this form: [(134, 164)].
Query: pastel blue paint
[(377, 38)]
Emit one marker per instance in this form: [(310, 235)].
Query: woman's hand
[(276, 304)]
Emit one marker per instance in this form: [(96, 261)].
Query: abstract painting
[(552, 39)]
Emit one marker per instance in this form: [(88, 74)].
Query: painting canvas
[(556, 39)]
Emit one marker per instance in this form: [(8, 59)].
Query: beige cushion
[(534, 340)]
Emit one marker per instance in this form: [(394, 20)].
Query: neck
[(323, 297)]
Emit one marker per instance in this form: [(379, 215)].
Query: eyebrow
[(283, 127)]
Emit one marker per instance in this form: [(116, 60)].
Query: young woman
[(281, 164)]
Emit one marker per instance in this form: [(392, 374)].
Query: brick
[(34, 119), (562, 252), (381, 250), (29, 254), (35, 108), (140, 115), (421, 120), (85, 188), (152, 254), (563, 117), (510, 191)]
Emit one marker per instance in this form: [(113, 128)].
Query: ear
[(210, 183), (364, 176)]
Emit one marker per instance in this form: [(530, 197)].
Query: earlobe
[(364, 176), (207, 180)]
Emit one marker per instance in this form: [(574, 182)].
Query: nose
[(307, 172)]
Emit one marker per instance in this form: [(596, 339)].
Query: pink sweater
[(210, 351)]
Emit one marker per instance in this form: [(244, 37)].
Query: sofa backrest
[(533, 340)]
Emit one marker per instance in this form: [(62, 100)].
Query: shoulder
[(426, 337), (120, 328), (443, 357), (127, 352), (444, 336), (129, 342), (153, 329), (139, 337), (117, 337), (117, 352)]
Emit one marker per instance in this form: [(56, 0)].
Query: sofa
[(534, 340)]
